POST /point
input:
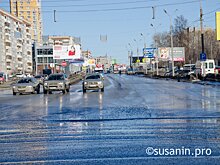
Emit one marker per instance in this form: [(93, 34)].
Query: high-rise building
[(29, 10), (15, 45)]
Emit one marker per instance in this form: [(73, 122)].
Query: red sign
[(64, 64)]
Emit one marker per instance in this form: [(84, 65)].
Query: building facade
[(15, 45), (29, 10), (44, 54), (104, 61)]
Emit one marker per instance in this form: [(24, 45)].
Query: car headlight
[(85, 83), (29, 86), (99, 82), (45, 84), (14, 87), (61, 83)]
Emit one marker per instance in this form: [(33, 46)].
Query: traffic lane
[(102, 134), (169, 94), (111, 142), (126, 91)]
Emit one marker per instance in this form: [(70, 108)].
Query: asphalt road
[(135, 121)]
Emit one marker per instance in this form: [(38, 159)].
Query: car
[(41, 78), (56, 82), (130, 71), (20, 75), (26, 85), (93, 82), (2, 79)]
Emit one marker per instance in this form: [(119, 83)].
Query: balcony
[(19, 39), (7, 40), (8, 53), (19, 44), (8, 60), (8, 67), (7, 34), (7, 28), (19, 62), (19, 68), (8, 47), (19, 56)]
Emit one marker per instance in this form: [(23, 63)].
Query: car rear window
[(24, 81), (93, 77), (56, 77)]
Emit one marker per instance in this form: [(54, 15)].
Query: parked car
[(20, 75), (26, 85), (56, 82), (2, 78), (41, 78), (93, 81), (130, 71), (205, 67), (217, 70)]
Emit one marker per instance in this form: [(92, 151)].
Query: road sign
[(148, 52), (202, 57)]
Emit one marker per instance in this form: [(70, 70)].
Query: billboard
[(149, 52), (164, 54), (66, 52), (139, 60), (218, 25)]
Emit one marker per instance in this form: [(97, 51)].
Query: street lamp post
[(145, 46), (155, 45), (131, 53), (171, 39), (137, 52)]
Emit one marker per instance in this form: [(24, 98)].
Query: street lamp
[(137, 51), (130, 55), (155, 45), (171, 39), (144, 40), (145, 46)]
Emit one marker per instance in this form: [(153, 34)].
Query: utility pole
[(201, 26)]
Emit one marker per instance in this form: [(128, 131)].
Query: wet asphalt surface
[(114, 127)]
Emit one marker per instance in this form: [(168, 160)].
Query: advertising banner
[(66, 52), (218, 25), (164, 54), (149, 52)]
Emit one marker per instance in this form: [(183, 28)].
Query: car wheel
[(64, 91), (84, 90), (102, 90), (68, 90), (14, 93), (38, 89), (45, 91)]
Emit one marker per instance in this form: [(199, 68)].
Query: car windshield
[(93, 77), (38, 76), (24, 81), (56, 77)]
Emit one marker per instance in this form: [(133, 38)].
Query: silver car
[(57, 82), (92, 82), (26, 85)]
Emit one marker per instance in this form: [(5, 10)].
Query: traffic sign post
[(202, 57)]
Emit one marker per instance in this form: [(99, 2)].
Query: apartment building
[(15, 44), (104, 61), (44, 53), (29, 10)]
